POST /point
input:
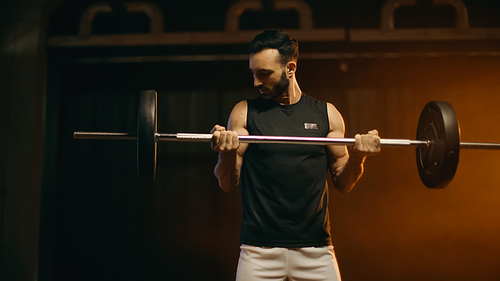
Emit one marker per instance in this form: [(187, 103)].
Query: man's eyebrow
[(262, 70)]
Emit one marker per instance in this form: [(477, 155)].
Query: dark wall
[(22, 94), (106, 225), (95, 222)]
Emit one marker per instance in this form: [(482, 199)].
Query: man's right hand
[(224, 140)]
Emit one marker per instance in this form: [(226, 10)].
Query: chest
[(301, 121)]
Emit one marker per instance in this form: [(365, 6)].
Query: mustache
[(262, 87)]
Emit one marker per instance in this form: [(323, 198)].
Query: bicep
[(337, 154), (238, 122)]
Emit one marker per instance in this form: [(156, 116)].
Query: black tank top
[(283, 186)]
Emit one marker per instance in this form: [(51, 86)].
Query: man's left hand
[(366, 144)]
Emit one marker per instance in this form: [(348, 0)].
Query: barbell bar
[(194, 137), (437, 145)]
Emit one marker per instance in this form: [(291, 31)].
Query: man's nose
[(257, 82)]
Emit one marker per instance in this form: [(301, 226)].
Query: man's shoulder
[(335, 118), (314, 102), (241, 106)]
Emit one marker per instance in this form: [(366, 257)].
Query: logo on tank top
[(311, 126)]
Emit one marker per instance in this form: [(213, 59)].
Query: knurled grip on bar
[(104, 136)]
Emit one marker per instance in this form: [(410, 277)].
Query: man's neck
[(291, 95)]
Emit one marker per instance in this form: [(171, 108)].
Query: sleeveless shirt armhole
[(327, 117)]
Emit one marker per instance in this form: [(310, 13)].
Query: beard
[(279, 88)]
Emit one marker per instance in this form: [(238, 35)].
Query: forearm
[(228, 170), (347, 176)]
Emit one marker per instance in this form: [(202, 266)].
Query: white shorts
[(296, 264)]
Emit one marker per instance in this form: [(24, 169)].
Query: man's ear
[(291, 67)]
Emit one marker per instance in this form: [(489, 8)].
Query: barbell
[(437, 143)]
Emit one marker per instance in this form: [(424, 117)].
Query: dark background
[(73, 209)]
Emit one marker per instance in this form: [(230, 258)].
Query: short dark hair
[(286, 45)]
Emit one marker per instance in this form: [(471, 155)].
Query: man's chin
[(269, 95), (265, 96)]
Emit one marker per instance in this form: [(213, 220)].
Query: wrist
[(357, 157)]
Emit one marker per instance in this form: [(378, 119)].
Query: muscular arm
[(347, 169), (231, 152)]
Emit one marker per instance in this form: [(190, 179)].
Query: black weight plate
[(437, 162), (146, 136)]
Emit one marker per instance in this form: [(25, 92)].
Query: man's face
[(269, 76)]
